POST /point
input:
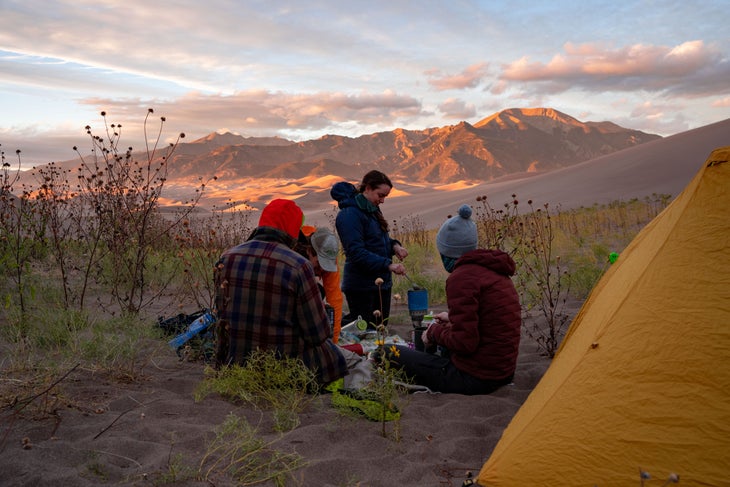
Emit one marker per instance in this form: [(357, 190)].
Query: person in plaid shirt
[(268, 298)]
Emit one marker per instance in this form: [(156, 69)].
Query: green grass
[(281, 384)]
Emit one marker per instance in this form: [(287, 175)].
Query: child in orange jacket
[(321, 247)]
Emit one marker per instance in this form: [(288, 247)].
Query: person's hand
[(424, 338), (400, 251), (399, 269), (442, 318)]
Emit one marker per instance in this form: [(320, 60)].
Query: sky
[(304, 69)]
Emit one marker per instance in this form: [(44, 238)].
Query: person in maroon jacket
[(479, 336)]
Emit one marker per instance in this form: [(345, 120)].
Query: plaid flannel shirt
[(272, 302)]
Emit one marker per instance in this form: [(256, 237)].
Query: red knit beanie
[(284, 215)]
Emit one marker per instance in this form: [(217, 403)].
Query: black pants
[(363, 303), (440, 375)]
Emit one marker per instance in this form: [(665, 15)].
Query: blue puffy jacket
[(368, 249)]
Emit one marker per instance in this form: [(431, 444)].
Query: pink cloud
[(470, 77), (593, 60), (690, 67), (259, 111), (454, 108)]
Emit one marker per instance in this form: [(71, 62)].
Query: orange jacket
[(332, 291)]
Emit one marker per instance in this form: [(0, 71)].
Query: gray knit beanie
[(458, 234)]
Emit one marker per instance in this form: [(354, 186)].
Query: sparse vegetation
[(412, 231), (381, 398), (268, 381), (200, 241), (120, 194), (238, 453), (387, 386), (559, 255), (100, 222)]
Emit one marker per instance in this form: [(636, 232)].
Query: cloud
[(296, 116), (259, 112), (658, 122), (24, 73), (470, 77), (454, 108), (38, 147), (653, 111), (299, 71), (689, 69), (221, 46)]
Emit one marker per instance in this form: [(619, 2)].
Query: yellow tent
[(641, 381)]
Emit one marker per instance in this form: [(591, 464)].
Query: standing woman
[(369, 250)]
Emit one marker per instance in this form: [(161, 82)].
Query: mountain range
[(539, 154), (511, 141), (659, 167)]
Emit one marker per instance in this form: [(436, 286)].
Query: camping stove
[(418, 308), (417, 305)]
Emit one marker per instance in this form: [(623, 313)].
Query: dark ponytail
[(381, 220)]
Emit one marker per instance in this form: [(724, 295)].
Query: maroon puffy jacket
[(484, 310)]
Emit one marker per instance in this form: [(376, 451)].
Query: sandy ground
[(106, 432)]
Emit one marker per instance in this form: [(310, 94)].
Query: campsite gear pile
[(178, 323), (641, 383), (357, 338), (197, 327), (191, 330)]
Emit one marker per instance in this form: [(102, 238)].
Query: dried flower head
[(379, 281)]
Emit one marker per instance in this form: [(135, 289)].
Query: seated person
[(321, 247), (268, 298), (481, 330)]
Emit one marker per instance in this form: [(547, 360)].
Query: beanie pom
[(458, 234), (465, 212)]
